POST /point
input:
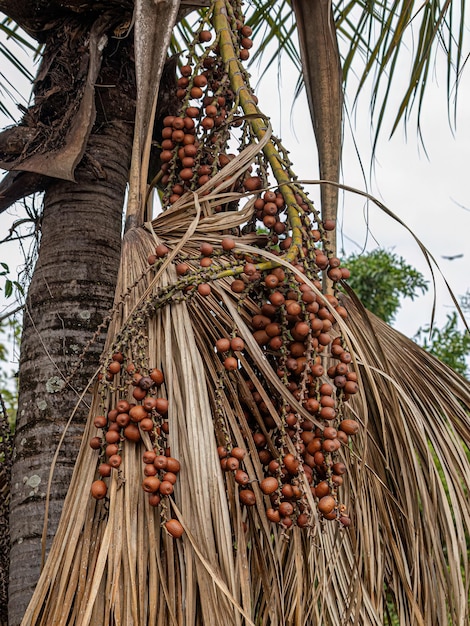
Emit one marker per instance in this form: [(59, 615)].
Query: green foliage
[(373, 37), (375, 40), (9, 284), (9, 332), (381, 279), (11, 36), (448, 344)]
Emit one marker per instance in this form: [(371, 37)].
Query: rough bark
[(33, 17), (37, 17), (5, 475), (71, 292)]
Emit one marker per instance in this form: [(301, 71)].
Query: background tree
[(448, 344), (381, 279)]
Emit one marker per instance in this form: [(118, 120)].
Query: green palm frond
[(274, 21), (374, 37), (12, 34), (380, 33)]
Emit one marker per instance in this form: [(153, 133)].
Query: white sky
[(422, 191)]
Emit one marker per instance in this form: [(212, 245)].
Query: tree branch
[(5, 316)]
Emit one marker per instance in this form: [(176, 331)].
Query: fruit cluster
[(297, 332), (194, 143), (284, 283), (126, 421)]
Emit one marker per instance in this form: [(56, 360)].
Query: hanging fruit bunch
[(266, 280)]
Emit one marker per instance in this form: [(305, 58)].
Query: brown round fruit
[(227, 244), (222, 452), (174, 528), (231, 364), (351, 387), (339, 468), (161, 462), (252, 183), (157, 376), (137, 413), (98, 489), (100, 421), (238, 453), (232, 463), (172, 464), (168, 476), (112, 436), (104, 470), (237, 286), (206, 249), (146, 424), (237, 344), (115, 460), (222, 345), (247, 497), (114, 367), (322, 489), (291, 464), (132, 433), (123, 406), (151, 484), (326, 504), (285, 509), (350, 427), (111, 449), (269, 485), (154, 499), (161, 405), (241, 477), (161, 250), (205, 36), (302, 520), (166, 488), (123, 419), (273, 516), (149, 456), (271, 281), (204, 289)]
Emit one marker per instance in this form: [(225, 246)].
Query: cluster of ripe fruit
[(297, 331), (298, 433), (194, 143), (125, 421)]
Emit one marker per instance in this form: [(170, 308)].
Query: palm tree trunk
[(70, 294)]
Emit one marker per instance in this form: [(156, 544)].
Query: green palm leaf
[(373, 37), (12, 34)]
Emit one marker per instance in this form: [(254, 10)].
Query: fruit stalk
[(257, 124)]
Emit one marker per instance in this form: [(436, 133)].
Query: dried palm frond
[(416, 475), (406, 487), (237, 487)]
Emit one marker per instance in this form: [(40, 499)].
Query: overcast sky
[(425, 192)]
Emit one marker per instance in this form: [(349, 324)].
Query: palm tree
[(80, 129)]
